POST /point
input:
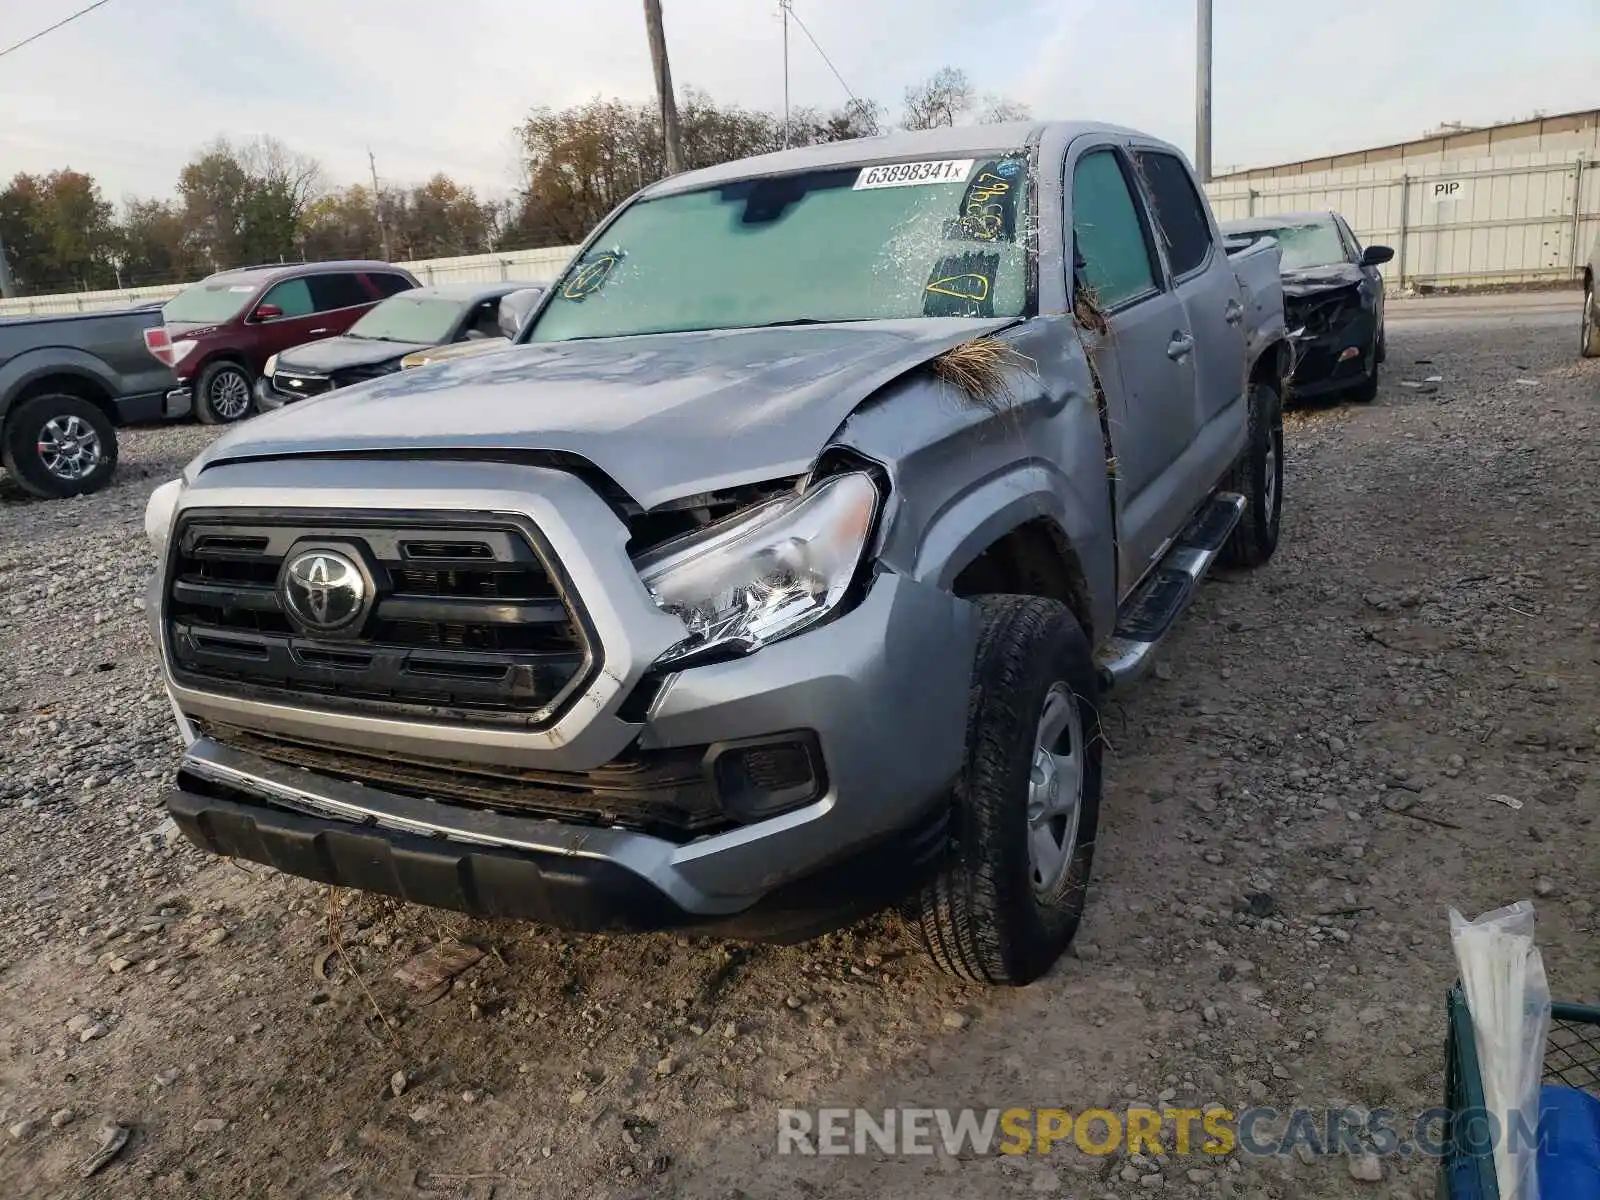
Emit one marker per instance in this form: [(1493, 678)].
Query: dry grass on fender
[(981, 370)]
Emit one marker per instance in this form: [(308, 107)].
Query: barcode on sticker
[(947, 170)]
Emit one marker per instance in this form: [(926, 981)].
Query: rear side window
[(338, 291), (389, 284), (1179, 214), (293, 297), (1109, 234)]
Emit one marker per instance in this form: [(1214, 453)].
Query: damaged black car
[(1332, 300)]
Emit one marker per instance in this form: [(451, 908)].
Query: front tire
[(223, 394), (1006, 905), (1259, 478), (1589, 334), (59, 445)]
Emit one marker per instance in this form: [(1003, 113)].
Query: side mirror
[(266, 312), (1376, 256), (514, 310)]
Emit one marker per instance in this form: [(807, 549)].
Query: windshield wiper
[(800, 321)]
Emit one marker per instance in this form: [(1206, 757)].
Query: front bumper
[(883, 688), (269, 398), (1325, 364)]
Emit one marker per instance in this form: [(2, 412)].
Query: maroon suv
[(219, 333)]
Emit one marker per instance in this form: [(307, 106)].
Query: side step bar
[(1149, 614)]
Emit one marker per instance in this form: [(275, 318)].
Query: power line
[(853, 98), (64, 21)]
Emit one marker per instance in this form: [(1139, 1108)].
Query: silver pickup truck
[(777, 577)]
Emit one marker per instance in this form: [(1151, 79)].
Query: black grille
[(470, 620), (1322, 313), (665, 793)]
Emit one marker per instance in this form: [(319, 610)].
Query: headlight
[(158, 512), (766, 573), (272, 365)]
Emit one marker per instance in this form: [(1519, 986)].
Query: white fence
[(1528, 218), (530, 266), (1522, 219)]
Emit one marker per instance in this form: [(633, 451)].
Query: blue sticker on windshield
[(1009, 168)]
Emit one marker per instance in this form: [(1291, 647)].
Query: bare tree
[(939, 100), (997, 110)]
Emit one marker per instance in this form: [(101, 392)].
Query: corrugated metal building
[(1517, 203), (1569, 134)]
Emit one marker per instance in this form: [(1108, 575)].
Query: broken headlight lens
[(766, 573)]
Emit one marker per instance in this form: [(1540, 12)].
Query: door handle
[(319, 331), (1233, 313), (1179, 346)]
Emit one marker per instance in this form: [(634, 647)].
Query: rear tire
[(1258, 477), (59, 445), (223, 394), (1006, 905), (1589, 332)]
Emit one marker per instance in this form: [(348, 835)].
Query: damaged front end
[(1334, 333)]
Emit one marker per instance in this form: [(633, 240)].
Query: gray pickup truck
[(778, 577), (66, 383)]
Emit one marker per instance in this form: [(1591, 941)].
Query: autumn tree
[(581, 162), (244, 204), (58, 231), (152, 244), (439, 219)]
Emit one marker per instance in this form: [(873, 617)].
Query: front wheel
[(222, 394), (1008, 902), (1589, 343), (59, 445), (1259, 478)]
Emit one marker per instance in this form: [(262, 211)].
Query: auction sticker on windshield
[(885, 175)]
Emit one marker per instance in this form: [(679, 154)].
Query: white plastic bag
[(1503, 977)]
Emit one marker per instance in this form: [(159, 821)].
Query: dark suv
[(219, 333)]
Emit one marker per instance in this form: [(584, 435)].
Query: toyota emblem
[(324, 590)]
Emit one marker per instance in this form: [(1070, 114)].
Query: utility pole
[(669, 106), (377, 205), (7, 288), (1202, 93), (783, 6)]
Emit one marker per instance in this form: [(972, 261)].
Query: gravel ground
[(1324, 736)]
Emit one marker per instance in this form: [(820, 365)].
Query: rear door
[(1144, 361), (340, 297), (1204, 281)]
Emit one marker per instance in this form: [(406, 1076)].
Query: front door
[(1145, 360)]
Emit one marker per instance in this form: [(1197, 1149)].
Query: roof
[(960, 141), (1276, 220), (271, 271), (1582, 125)]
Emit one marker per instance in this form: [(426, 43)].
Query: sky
[(131, 91)]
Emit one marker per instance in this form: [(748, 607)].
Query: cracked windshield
[(881, 241)]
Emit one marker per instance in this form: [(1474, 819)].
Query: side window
[(390, 284), (338, 291), (1108, 232), (293, 297), (1179, 213)]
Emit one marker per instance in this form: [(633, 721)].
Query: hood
[(327, 355), (1311, 280), (435, 354), (664, 415)]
